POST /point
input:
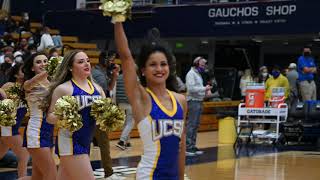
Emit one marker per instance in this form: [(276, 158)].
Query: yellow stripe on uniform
[(171, 112), (157, 155)]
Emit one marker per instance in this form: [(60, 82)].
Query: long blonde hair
[(62, 75)]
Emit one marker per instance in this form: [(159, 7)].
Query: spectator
[(195, 95), (276, 80), (99, 74), (18, 57), (263, 74), (10, 25), (122, 101), (293, 76), (46, 40), (57, 40), (23, 45), (181, 87), (6, 51), (53, 52), (245, 79), (9, 59), (24, 24), (307, 69)]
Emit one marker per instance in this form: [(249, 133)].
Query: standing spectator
[(307, 69), (246, 78), (181, 87), (293, 76), (263, 74), (276, 80), (24, 24), (46, 40), (195, 95), (99, 74), (122, 101)]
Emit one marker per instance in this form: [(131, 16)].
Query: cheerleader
[(73, 78), (38, 135), (159, 112), (10, 136)]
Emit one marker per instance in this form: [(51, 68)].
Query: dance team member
[(38, 137), (10, 137), (158, 112), (73, 78)]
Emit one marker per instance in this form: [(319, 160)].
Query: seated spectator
[(57, 40), (6, 51), (8, 59), (18, 57), (45, 41)]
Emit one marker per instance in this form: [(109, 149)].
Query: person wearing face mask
[(307, 69), (263, 74), (276, 80), (195, 95)]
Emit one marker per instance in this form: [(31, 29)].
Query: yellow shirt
[(281, 81)]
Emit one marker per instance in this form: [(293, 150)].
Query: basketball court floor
[(220, 162)]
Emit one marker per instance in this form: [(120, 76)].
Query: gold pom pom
[(67, 111), (53, 64), (108, 116), (8, 112), (119, 10)]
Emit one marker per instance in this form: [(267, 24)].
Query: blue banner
[(260, 18), (220, 19)]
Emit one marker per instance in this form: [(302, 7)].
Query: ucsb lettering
[(166, 127), (85, 101)]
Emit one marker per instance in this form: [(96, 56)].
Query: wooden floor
[(221, 162)]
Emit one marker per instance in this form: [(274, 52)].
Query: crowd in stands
[(18, 41)]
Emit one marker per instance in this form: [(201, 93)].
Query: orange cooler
[(255, 95)]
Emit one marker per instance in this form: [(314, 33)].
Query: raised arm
[(29, 84), (135, 92)]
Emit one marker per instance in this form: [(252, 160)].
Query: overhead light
[(204, 42), (285, 43)]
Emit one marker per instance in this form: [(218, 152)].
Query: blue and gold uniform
[(161, 133), (14, 130), (38, 133), (79, 142)]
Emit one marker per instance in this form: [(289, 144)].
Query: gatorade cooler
[(255, 95), (277, 96)]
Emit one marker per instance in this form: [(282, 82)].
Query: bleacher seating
[(68, 39)]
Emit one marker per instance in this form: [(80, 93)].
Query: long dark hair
[(14, 70), (152, 45), (27, 67)]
